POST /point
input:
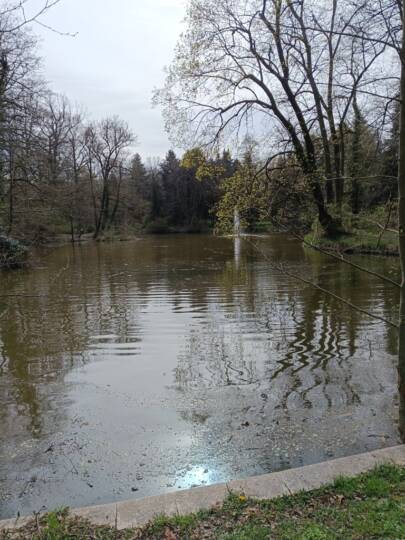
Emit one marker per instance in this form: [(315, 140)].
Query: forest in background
[(63, 176)]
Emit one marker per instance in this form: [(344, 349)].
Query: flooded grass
[(369, 506)]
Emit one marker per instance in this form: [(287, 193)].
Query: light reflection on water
[(137, 368)]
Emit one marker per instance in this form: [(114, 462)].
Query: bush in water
[(12, 253)]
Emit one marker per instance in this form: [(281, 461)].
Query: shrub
[(13, 254)]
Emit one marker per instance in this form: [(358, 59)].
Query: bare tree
[(20, 13), (20, 86), (107, 144), (55, 133), (272, 63)]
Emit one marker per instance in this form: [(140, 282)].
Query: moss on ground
[(369, 506)]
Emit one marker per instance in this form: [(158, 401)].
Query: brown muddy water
[(133, 369)]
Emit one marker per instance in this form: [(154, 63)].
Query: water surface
[(133, 369)]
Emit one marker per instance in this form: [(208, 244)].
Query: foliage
[(13, 254), (204, 168), (371, 231), (247, 191)]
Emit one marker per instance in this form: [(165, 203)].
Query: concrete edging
[(137, 513)]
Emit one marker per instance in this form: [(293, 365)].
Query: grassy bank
[(360, 242), (369, 233), (369, 506)]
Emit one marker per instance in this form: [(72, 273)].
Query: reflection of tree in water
[(215, 358), (337, 331), (31, 361), (81, 294), (49, 324), (306, 343), (317, 356), (48, 328), (258, 327)]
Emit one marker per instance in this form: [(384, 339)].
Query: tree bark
[(11, 204), (328, 223), (355, 161), (325, 219), (401, 222), (330, 194)]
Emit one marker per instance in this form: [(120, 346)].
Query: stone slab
[(269, 486)]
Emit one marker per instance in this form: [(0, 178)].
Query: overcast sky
[(115, 61)]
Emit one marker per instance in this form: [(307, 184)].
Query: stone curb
[(137, 513)]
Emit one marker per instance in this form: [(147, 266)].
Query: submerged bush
[(13, 253)]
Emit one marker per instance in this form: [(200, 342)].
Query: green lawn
[(369, 506)]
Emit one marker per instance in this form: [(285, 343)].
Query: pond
[(137, 368)]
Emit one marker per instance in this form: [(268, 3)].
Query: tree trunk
[(329, 225), (93, 196), (339, 191), (339, 180), (330, 194), (355, 166), (401, 223), (116, 205), (11, 205), (11, 194), (100, 224), (106, 214)]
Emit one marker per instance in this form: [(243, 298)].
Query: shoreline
[(337, 247), (138, 513)]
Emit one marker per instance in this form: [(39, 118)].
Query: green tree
[(246, 191)]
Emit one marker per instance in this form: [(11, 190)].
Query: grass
[(360, 241), (362, 234), (369, 506)]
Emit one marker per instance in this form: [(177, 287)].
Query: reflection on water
[(137, 368)]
